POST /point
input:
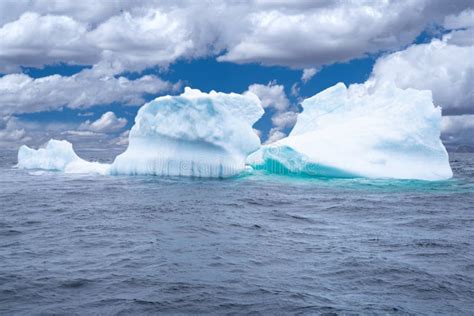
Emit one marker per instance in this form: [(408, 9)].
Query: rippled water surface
[(72, 244)]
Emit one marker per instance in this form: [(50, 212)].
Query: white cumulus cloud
[(271, 95), (107, 123), (458, 129), (20, 93), (445, 69), (135, 42), (308, 73), (283, 120), (274, 135), (134, 35), (35, 40), (315, 33), (11, 133)]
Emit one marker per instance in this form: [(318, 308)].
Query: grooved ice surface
[(194, 134), (361, 131)]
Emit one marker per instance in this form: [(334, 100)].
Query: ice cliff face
[(362, 132), (193, 134)]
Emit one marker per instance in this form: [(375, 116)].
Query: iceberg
[(57, 155), (194, 134), (362, 131), (366, 130)]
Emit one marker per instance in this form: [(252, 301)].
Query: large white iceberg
[(193, 134), (382, 132)]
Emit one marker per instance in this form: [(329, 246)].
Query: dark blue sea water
[(82, 244)]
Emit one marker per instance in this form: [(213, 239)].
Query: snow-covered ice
[(57, 155), (362, 131), (194, 134)]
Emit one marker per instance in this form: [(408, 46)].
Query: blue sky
[(64, 65)]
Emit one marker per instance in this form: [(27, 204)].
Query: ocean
[(254, 244)]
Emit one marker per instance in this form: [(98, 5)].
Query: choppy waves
[(85, 244)]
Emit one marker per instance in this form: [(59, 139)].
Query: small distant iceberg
[(362, 131), (194, 134), (58, 155)]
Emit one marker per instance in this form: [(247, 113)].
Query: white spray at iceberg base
[(193, 134), (362, 131)]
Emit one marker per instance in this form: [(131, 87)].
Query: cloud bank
[(20, 93), (135, 35), (114, 39)]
